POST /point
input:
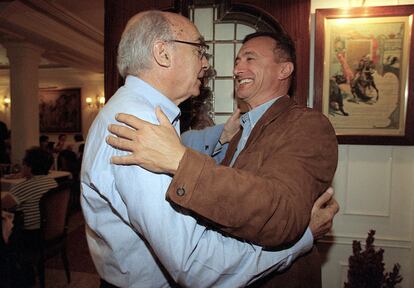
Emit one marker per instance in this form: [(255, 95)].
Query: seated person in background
[(4, 135), (26, 195), (45, 144), (60, 145), (80, 153), (78, 138), (67, 160), (44, 141), (79, 141)]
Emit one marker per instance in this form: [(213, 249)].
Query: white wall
[(374, 186)]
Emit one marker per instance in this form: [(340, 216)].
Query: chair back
[(54, 211), (68, 161)]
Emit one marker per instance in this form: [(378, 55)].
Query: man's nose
[(237, 70), (204, 62)]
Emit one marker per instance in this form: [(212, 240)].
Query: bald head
[(139, 36), (178, 23)]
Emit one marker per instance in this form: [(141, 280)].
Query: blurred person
[(202, 104), (60, 145), (78, 138), (44, 143), (25, 197), (76, 146), (4, 149)]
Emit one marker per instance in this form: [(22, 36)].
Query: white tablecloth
[(7, 184)]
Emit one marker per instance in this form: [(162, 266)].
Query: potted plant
[(366, 267)]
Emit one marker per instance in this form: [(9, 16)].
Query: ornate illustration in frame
[(363, 77), (60, 110)]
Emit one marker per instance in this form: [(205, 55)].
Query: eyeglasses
[(202, 48)]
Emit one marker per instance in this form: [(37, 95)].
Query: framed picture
[(60, 110), (364, 73)]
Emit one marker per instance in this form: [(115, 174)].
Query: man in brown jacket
[(276, 166)]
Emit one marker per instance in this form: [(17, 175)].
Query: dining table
[(8, 181)]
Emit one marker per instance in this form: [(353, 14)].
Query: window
[(224, 39)]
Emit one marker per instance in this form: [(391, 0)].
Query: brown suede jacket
[(289, 160)]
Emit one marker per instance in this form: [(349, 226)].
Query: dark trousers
[(105, 284)]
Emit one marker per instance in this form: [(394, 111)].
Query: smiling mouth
[(244, 81)]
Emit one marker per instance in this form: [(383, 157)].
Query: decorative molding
[(343, 268), (366, 212), (60, 14), (389, 242), (56, 30), (343, 264)]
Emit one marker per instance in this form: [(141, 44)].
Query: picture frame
[(364, 59), (60, 110)]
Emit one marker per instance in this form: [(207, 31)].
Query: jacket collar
[(282, 105)]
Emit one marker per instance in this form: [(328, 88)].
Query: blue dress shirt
[(248, 121), (136, 237), (206, 141)]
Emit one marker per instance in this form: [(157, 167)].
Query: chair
[(54, 211), (68, 161)]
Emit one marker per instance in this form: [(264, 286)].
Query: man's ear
[(286, 70), (162, 54)]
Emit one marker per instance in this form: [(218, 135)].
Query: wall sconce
[(6, 102), (98, 102)]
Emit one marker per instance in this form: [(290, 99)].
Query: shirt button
[(180, 191)]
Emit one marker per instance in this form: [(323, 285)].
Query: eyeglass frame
[(203, 47)]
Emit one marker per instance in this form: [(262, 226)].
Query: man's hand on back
[(323, 213), (154, 147)]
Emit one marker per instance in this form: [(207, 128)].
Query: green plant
[(366, 267)]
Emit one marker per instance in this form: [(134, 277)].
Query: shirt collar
[(254, 115), (154, 97)]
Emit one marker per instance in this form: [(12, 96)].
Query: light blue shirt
[(248, 121), (134, 234), (206, 141)]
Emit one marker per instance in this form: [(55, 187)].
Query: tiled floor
[(55, 278)]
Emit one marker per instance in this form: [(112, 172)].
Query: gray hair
[(135, 47)]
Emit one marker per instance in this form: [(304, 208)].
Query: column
[(24, 61)]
